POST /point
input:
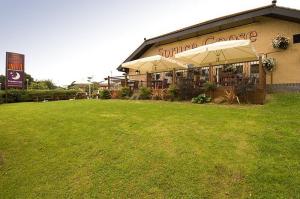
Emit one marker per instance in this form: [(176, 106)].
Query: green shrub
[(95, 95), (125, 92), (186, 89), (15, 96), (81, 95), (201, 99), (173, 93), (104, 94), (144, 93), (2, 97), (36, 95), (209, 86)]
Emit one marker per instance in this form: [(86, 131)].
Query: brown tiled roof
[(217, 24)]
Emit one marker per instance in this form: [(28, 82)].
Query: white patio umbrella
[(225, 52), (154, 64)]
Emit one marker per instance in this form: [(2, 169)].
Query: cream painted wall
[(261, 33)]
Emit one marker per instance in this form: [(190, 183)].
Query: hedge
[(105, 94), (36, 95)]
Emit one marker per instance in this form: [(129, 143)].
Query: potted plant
[(209, 87), (281, 42), (269, 64)]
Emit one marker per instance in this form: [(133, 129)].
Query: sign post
[(15, 74)]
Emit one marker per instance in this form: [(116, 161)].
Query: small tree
[(173, 92), (49, 84), (144, 93), (2, 82), (28, 79), (38, 86), (125, 92), (105, 94)]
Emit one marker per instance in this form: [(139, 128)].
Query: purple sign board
[(15, 79), (15, 70)]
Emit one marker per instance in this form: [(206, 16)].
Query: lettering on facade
[(171, 52)]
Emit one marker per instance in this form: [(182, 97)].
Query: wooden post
[(126, 80), (262, 75), (261, 91), (174, 77), (108, 82), (272, 78), (271, 87), (148, 80), (210, 73)]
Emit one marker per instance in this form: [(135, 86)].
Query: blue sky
[(66, 40)]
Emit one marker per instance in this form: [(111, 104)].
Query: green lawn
[(144, 149)]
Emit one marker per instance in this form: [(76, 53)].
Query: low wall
[(275, 88), (257, 96)]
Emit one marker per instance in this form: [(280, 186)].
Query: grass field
[(143, 149)]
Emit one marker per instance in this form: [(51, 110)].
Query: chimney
[(145, 39), (274, 2)]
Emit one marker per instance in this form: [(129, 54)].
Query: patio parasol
[(154, 64), (225, 52)]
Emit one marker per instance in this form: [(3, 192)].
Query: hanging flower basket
[(281, 42), (269, 64)]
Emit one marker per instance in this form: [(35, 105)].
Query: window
[(157, 76), (239, 69), (254, 71), (205, 72), (296, 38)]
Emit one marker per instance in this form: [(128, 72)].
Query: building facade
[(260, 25)]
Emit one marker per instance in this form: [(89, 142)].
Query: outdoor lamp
[(89, 79)]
